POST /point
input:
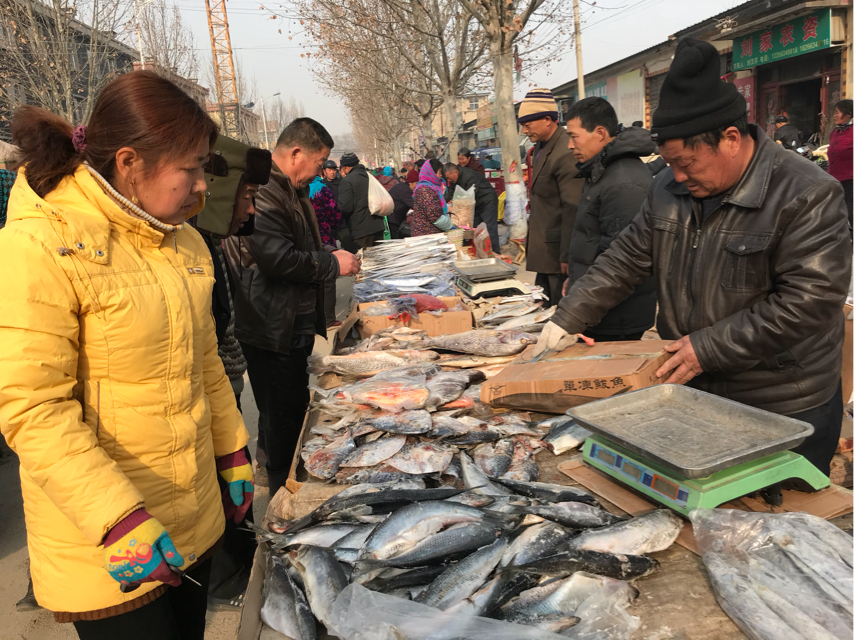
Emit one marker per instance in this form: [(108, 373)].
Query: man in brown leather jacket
[(750, 251)]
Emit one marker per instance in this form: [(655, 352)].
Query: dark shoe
[(28, 602), (225, 604)]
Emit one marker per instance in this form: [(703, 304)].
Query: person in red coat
[(839, 154)]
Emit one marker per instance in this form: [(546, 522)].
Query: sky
[(611, 30)]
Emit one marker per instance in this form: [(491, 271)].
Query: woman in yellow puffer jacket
[(111, 390)]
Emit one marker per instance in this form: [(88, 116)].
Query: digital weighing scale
[(686, 449), (488, 278)]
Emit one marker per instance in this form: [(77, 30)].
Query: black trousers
[(329, 295), (280, 384), (489, 215), (552, 284), (849, 202), (827, 422), (179, 614), (601, 337)]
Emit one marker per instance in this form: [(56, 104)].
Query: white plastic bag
[(463, 214), (515, 203), (785, 575), (380, 202), (482, 242)]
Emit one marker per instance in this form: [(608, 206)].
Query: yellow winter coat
[(111, 390)]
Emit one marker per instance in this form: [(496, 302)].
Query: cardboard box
[(446, 323), (848, 356), (576, 375)]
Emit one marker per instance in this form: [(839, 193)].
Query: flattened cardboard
[(576, 375), (446, 323), (827, 503)]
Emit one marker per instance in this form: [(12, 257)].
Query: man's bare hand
[(684, 364), (564, 268), (348, 264)]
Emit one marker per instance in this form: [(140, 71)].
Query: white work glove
[(554, 339)]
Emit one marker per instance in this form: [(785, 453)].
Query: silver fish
[(475, 479), (285, 607), (380, 474), (324, 462), (462, 579), (481, 342), (549, 492), (315, 444), (407, 526), (377, 487), (366, 364), (323, 577), (494, 459), (535, 542), (574, 515), (737, 598), (322, 535), (450, 385), (538, 317), (356, 538), (420, 458), (654, 531), (566, 437), (509, 311), (407, 422), (371, 454), (522, 466)]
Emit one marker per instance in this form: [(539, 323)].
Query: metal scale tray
[(690, 432), (484, 269)]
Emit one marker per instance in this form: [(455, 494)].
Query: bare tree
[(167, 43), (507, 23), (58, 55), (427, 48), (285, 111)]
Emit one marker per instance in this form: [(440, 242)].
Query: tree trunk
[(508, 132), (427, 130), (398, 162), (450, 104)]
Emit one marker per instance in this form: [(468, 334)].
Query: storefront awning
[(779, 16)]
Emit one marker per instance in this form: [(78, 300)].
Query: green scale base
[(684, 495)]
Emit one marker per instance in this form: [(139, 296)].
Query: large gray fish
[(449, 385), (406, 578), (509, 311), (356, 538), (465, 577), (476, 480), (368, 363), (481, 342), (404, 528), (654, 531), (454, 542), (566, 437), (406, 422), (380, 474), (549, 492), (420, 458), (321, 535), (417, 372), (561, 596), (453, 473), (573, 515), (448, 426), (494, 459), (737, 598), (371, 454), (377, 487), (538, 317), (324, 463), (285, 606), (534, 542), (323, 577), (565, 563), (522, 466)]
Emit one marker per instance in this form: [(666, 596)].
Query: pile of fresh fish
[(786, 575), (411, 265), (514, 551), (489, 343), (422, 421)]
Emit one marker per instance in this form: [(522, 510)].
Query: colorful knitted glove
[(237, 473), (138, 549)]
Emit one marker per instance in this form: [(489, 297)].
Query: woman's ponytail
[(47, 150)]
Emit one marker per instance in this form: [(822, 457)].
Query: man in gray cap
[(749, 249), (331, 178)]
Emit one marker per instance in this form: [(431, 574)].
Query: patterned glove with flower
[(138, 549), (240, 489)]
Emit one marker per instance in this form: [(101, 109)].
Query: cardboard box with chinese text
[(445, 323), (576, 375)]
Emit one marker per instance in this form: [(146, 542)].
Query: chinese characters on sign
[(747, 88), (589, 385), (785, 40)]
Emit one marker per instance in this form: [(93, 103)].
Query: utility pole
[(578, 50), (264, 118)]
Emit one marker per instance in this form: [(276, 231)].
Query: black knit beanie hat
[(349, 159), (694, 99)]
